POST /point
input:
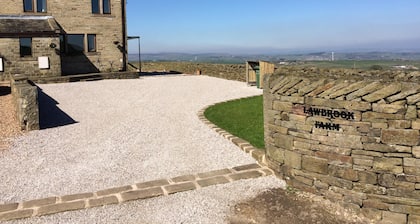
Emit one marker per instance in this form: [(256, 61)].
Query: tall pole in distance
[(139, 57)]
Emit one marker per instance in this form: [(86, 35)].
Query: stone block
[(332, 149), (304, 180), (378, 147), (75, 197), (314, 164), (415, 124), (413, 99), (344, 172), (334, 157), (411, 113), (284, 141), (371, 154), (377, 204), (39, 202), (411, 170), (371, 213), (214, 173), (416, 151), (212, 181), (142, 194), (282, 106), (108, 200), (380, 125), (386, 179), (245, 175), (393, 165), (348, 89), (399, 124), (400, 137), (413, 219), (363, 162), (60, 207), (19, 214), (339, 182), (8, 207), (403, 149), (369, 188), (411, 162), (309, 88), (292, 99), (380, 117), (388, 108), (293, 159), (345, 141), (247, 167), (154, 183), (175, 188), (275, 154), (380, 94), (393, 218)]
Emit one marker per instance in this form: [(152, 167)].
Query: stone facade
[(14, 64), (353, 139), (73, 17)]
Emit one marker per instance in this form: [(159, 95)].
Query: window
[(28, 5), (91, 38), (41, 5), (101, 6), (75, 43), (106, 6), (25, 44), (95, 7)]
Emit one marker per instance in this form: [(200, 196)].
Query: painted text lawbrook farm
[(327, 113)]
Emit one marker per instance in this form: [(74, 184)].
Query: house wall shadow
[(77, 64), (50, 115), (5, 90)]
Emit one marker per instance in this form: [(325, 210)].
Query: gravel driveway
[(124, 132)]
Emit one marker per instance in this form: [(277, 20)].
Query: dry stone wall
[(25, 98), (353, 139)]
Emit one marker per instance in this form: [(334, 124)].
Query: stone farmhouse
[(62, 37)]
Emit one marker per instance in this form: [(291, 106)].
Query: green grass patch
[(242, 118)]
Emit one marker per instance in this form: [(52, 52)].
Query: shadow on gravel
[(50, 116), (5, 90)]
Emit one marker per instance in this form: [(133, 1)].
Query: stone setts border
[(51, 205), (155, 188)]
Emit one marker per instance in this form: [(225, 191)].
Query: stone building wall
[(352, 139), (76, 17), (15, 64)]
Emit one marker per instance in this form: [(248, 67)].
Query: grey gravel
[(127, 131)]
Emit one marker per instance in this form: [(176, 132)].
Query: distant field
[(363, 65)]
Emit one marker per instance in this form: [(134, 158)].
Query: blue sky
[(273, 26)]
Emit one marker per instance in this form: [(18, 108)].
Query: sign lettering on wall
[(330, 114)]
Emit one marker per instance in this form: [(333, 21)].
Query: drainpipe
[(124, 33)]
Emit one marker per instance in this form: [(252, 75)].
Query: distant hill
[(224, 58)]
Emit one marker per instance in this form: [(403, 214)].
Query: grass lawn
[(242, 118)]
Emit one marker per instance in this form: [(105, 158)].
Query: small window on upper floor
[(25, 44), (106, 6), (41, 5), (101, 6), (28, 5), (95, 7)]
